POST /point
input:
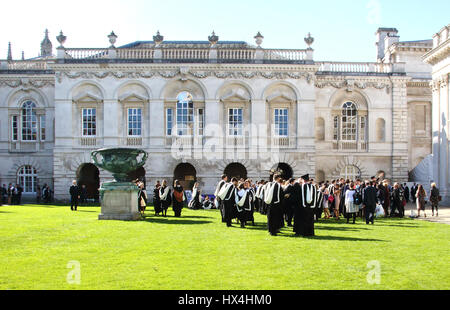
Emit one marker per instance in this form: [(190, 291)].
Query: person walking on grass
[(435, 198), (420, 195), (370, 201), (350, 206), (142, 198), (178, 198), (165, 196), (74, 196)]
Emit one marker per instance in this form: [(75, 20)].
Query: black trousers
[(73, 203), (370, 214)]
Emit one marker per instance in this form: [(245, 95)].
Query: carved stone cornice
[(351, 84), (238, 72), (27, 82)]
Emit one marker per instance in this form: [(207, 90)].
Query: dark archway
[(138, 174), (284, 170), (89, 175), (186, 174), (236, 170)]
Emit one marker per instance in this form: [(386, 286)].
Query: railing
[(185, 53), (284, 54), (357, 67), (134, 141), (236, 54), (27, 65), (86, 53), (283, 142), (240, 142), (141, 53), (351, 146), (88, 142)]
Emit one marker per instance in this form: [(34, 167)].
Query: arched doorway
[(186, 174), (283, 169), (236, 170), (351, 172), (138, 174), (89, 175)]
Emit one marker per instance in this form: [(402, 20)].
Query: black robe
[(229, 209), (319, 205), (289, 203), (219, 201), (304, 213), (156, 200), (245, 213), (195, 201), (165, 204), (275, 210), (176, 205)]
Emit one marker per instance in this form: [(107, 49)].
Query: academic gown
[(275, 210), (289, 203), (304, 215), (195, 201), (165, 203), (177, 205), (219, 201), (244, 212), (319, 205), (229, 209), (156, 201)]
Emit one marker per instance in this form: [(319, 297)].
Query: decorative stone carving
[(27, 83)]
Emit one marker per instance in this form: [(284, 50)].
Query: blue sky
[(343, 30)]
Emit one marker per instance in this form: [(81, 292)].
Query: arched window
[(351, 172), (27, 178), (29, 121), (349, 122), (185, 114)]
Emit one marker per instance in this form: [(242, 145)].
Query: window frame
[(82, 122), (138, 115), (230, 122), (187, 127), (33, 175), (29, 106), (277, 127)]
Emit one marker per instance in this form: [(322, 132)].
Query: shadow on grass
[(175, 220)]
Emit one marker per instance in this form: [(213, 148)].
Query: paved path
[(444, 214)]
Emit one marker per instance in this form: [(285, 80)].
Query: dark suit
[(370, 203), (74, 196)]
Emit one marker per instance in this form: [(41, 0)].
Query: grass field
[(197, 251)]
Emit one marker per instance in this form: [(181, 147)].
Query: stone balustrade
[(356, 67)]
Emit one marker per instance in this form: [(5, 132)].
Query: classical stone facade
[(204, 108), (439, 58)]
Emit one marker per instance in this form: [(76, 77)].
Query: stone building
[(204, 108), (439, 161)]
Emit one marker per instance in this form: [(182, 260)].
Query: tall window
[(29, 121), (89, 120), (351, 172), (200, 122), (42, 122), (281, 122), (362, 131), (185, 114), (235, 122), (27, 178), (15, 128), (336, 128), (349, 122), (169, 121), (134, 122)]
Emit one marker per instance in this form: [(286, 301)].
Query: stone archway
[(89, 175), (283, 169), (186, 174), (236, 170)]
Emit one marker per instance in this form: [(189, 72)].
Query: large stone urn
[(119, 199)]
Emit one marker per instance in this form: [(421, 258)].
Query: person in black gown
[(274, 199), (304, 215), (178, 198), (218, 201), (165, 195), (228, 196), (289, 202), (195, 202), (156, 199)]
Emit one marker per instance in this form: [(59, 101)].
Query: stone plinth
[(119, 201)]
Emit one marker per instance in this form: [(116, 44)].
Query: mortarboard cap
[(305, 177)]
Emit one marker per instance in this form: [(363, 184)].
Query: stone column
[(260, 126), (64, 135), (399, 130), (443, 181), (436, 125)]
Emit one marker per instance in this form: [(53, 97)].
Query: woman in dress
[(156, 199), (142, 198), (165, 197), (434, 199), (178, 198), (195, 202), (350, 207), (420, 195)]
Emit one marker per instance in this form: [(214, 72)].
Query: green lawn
[(197, 251)]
